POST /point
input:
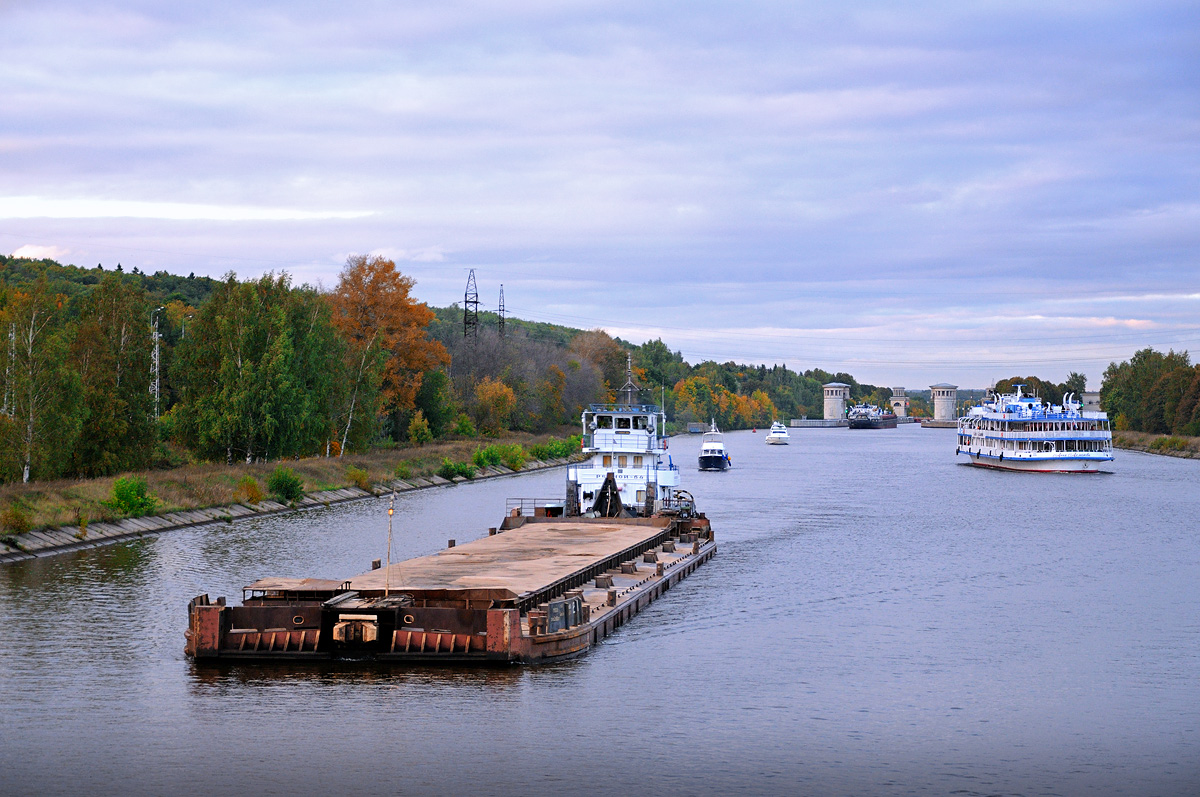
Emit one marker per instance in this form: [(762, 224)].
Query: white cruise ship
[(630, 468), (1018, 432)]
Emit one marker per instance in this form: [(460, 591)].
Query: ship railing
[(589, 465), (639, 408), (624, 444), (535, 507)]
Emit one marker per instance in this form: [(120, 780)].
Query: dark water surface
[(878, 620)]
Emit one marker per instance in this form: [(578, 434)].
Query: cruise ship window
[(608, 460), (637, 461)]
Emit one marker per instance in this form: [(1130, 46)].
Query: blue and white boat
[(628, 465), (1012, 431), (713, 455)]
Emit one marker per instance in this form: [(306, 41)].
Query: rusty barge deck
[(537, 589)]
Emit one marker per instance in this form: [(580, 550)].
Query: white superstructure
[(778, 436), (624, 440), (1018, 432)]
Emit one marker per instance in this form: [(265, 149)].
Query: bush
[(418, 429), (14, 520), (285, 485), (449, 469), (403, 471), (464, 426), (248, 491), (359, 478), (130, 497), (1169, 444), (556, 449), (511, 455)]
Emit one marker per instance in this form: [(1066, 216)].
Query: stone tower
[(899, 402), (836, 396), (945, 401)]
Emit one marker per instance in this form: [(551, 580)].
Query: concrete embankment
[(60, 539)]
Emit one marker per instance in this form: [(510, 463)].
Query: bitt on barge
[(553, 580)]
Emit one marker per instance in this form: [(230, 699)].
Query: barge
[(555, 578)]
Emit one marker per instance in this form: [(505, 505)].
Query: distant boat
[(869, 416), (1017, 432), (712, 450), (778, 436)]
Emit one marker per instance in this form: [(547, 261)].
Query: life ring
[(409, 619)]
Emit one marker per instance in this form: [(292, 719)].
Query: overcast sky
[(911, 192)]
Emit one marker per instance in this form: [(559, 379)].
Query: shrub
[(418, 429), (449, 469), (555, 448), (464, 426), (403, 471), (486, 457), (248, 491), (1169, 444), (15, 520), (131, 497), (285, 485), (512, 455), (359, 478)]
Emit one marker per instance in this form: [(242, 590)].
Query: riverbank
[(1168, 445), (69, 515)]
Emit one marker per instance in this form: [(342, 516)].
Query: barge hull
[(539, 590)]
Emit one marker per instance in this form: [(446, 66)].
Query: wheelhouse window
[(623, 423), (604, 422), (641, 422)]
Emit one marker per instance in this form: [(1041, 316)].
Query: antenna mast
[(501, 311), (471, 309), (154, 360)]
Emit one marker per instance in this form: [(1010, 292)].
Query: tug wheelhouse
[(626, 443)]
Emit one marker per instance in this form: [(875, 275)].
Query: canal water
[(878, 620)]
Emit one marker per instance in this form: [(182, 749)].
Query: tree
[(494, 403), (384, 328), (599, 348), (254, 373), (111, 353), (435, 400), (44, 412)]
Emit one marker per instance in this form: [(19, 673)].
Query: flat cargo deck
[(525, 562), (537, 589)]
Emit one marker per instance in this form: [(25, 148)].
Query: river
[(878, 620)]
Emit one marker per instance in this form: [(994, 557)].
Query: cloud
[(36, 252)]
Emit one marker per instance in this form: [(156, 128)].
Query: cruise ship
[(1019, 432), (629, 464)]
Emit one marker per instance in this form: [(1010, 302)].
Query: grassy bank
[(1170, 445), (74, 502)]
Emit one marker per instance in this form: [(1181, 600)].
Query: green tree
[(111, 352), (45, 390)]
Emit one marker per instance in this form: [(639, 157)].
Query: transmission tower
[(471, 309), (501, 311)]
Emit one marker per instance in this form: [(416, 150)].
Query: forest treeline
[(1153, 392)]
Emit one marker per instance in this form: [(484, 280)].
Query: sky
[(912, 193)]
